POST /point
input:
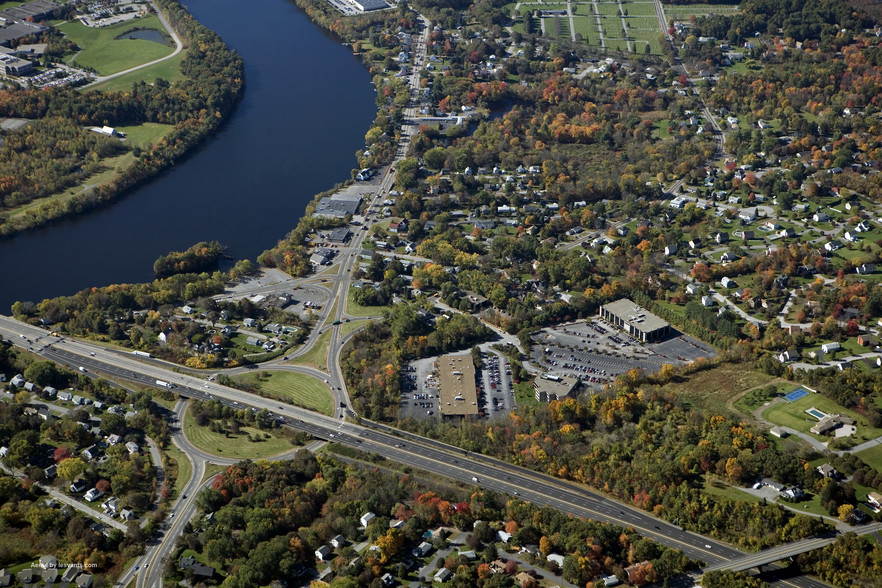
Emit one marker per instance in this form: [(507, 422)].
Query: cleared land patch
[(106, 54)]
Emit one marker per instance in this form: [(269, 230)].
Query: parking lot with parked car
[(596, 351)]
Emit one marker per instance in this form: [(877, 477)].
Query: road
[(179, 46)]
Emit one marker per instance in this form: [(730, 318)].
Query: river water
[(307, 106)]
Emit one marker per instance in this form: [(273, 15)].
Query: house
[(111, 505), (830, 423), (556, 558), (78, 486), (90, 453), (778, 432), (787, 233), (821, 217), (48, 562), (862, 227), (114, 439), (468, 555), (84, 581), (18, 381), (503, 536), (338, 541), (707, 301), (793, 493), (93, 495), (5, 578), (828, 471), (127, 514), (132, 447), (875, 500), (387, 579), (728, 283), (50, 391), (249, 322), (788, 356), (728, 257), (747, 235), (196, 568), (524, 579), (830, 347), (610, 580), (748, 215), (632, 570), (671, 249), (322, 552), (422, 550), (772, 225), (623, 231), (49, 576), (695, 243), (398, 227), (366, 518), (866, 340), (866, 268), (721, 237), (693, 288), (851, 236), (443, 575), (51, 471)]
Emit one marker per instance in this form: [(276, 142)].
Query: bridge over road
[(767, 556)]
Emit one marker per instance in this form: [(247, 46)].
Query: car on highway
[(475, 479), (708, 546)]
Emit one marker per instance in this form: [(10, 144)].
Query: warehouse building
[(634, 320), (366, 5), (458, 397)]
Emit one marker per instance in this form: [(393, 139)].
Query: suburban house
[(830, 423), (366, 518), (830, 347), (322, 552)]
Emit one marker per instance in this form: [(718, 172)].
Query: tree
[(60, 454), (71, 468), (845, 511), (44, 373)]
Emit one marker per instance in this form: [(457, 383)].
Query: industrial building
[(634, 320), (338, 205), (458, 396), (366, 5)]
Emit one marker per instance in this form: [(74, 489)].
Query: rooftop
[(458, 396), (628, 311)]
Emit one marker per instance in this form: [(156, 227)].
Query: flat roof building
[(458, 396), (365, 5), (553, 387), (634, 320), (338, 205)]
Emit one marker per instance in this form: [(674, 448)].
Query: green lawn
[(714, 388), (317, 356), (105, 53), (185, 470), (169, 70), (145, 134), (525, 394), (351, 326), (872, 457), (793, 415), (236, 446), (717, 488), (353, 308), (295, 388)]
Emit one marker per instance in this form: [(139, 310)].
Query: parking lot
[(596, 352), (495, 391), (419, 388)]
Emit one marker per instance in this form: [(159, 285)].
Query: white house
[(366, 518), (788, 356), (830, 347), (728, 283), (821, 217), (707, 301), (322, 552), (93, 495)]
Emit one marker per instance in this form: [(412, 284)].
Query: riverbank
[(197, 105)]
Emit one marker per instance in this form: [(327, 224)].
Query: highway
[(405, 448)]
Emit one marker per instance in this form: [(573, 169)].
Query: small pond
[(145, 34)]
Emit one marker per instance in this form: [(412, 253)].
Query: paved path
[(179, 46)]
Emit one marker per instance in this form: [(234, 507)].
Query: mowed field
[(294, 388), (236, 446), (168, 70), (793, 415), (106, 54)]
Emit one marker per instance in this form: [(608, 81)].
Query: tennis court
[(796, 395)]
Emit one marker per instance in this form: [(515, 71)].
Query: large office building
[(636, 321), (458, 396)]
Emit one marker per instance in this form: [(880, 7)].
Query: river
[(306, 108)]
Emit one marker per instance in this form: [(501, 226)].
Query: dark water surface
[(307, 106), (146, 35)]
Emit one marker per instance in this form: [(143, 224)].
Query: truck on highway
[(141, 353), (164, 384)]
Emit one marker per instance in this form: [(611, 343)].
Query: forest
[(198, 258)]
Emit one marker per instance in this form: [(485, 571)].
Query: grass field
[(169, 70), (236, 446), (718, 488), (872, 457), (145, 134), (295, 388), (353, 308), (714, 388), (185, 469), (317, 356), (793, 415), (102, 51), (351, 326)]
